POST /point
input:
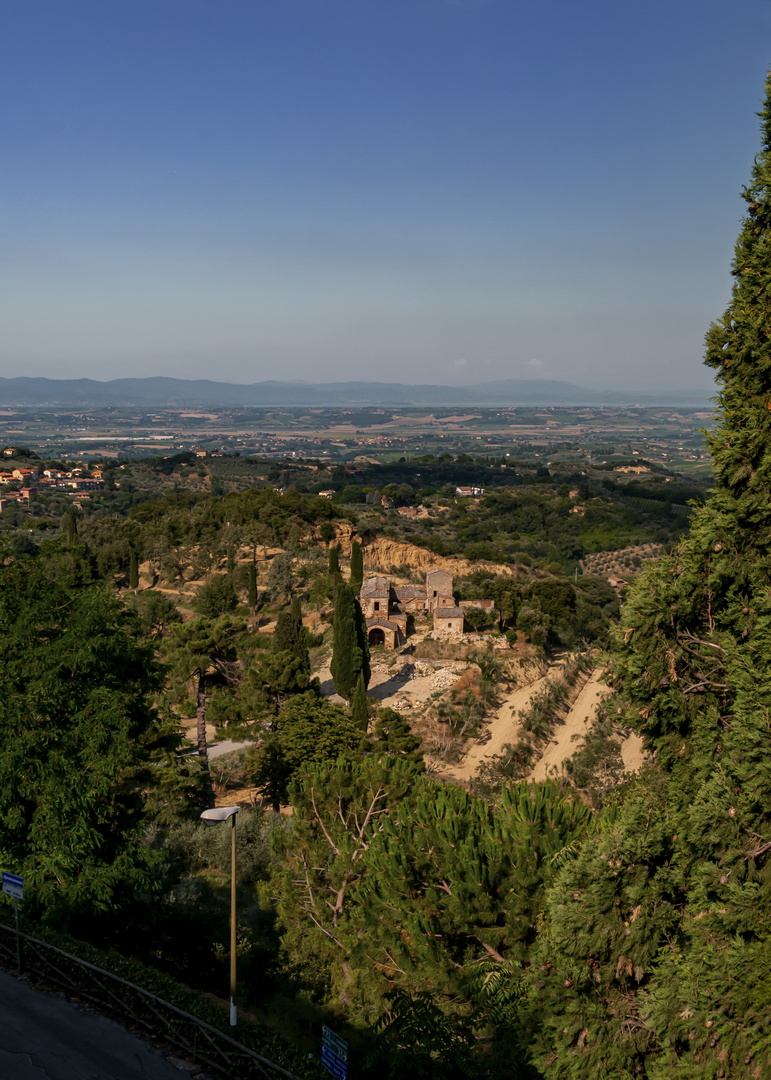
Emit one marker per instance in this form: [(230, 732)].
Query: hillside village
[(387, 608)]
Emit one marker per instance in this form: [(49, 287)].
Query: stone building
[(386, 622), (374, 597), (448, 622), (386, 607), (438, 590)]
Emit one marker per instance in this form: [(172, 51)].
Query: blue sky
[(409, 190)]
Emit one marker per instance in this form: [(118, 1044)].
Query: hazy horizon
[(419, 191)]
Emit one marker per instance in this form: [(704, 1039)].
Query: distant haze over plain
[(161, 392), (435, 191)]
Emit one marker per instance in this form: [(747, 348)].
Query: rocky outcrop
[(380, 553)]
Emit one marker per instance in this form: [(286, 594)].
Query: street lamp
[(214, 817)]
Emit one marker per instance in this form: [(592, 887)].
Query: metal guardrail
[(206, 1044)]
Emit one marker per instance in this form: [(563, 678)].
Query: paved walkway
[(45, 1037)]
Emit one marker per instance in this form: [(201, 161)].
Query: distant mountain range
[(171, 393)]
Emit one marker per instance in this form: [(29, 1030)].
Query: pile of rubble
[(443, 680), (488, 641)]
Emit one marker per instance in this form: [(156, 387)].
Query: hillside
[(161, 392)]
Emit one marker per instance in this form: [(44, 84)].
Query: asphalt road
[(45, 1037)]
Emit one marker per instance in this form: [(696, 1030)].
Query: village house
[(438, 590), (448, 622), (386, 607), (413, 511), (79, 484), (386, 622)]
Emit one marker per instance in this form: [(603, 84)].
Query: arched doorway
[(376, 636)]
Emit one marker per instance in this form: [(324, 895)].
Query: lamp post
[(214, 817)]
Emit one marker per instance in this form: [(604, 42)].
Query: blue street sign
[(334, 1053), (13, 885), (332, 1063)]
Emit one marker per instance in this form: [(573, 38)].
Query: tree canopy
[(657, 934), (76, 726), (350, 649)]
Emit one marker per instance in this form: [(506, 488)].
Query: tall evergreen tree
[(252, 588), (133, 570), (350, 648), (359, 711), (289, 635), (72, 526), (357, 566), (334, 560), (658, 934)]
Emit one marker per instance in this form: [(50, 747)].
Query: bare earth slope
[(577, 723), (504, 728)]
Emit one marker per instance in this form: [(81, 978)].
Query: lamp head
[(218, 814)]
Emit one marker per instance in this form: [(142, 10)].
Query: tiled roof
[(380, 621), (375, 587), (449, 613), (410, 592)]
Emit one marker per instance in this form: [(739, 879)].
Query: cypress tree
[(350, 649), (133, 570), (359, 711), (357, 566), (289, 635), (72, 526), (252, 588), (334, 560), (657, 935)]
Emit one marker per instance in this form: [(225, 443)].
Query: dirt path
[(504, 728), (578, 721)]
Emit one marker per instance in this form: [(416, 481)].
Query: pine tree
[(204, 651), (133, 570), (657, 934), (359, 711), (350, 648), (394, 737), (308, 732), (357, 566)]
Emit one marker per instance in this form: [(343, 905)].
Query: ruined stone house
[(386, 607)]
